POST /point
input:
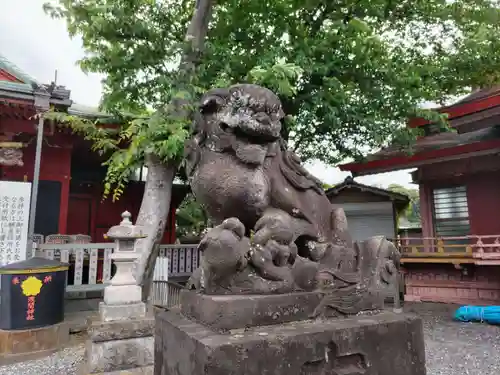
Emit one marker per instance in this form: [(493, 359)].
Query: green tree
[(191, 218), (412, 213), (349, 72)]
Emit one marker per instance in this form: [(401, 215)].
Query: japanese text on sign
[(14, 217), (31, 287), (30, 313)]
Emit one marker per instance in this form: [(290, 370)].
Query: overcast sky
[(40, 45)]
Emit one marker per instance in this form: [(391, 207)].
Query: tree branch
[(155, 205)]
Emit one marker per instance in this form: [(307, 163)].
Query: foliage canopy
[(412, 212), (349, 72), (191, 218)]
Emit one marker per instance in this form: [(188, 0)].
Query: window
[(451, 212), (451, 216)]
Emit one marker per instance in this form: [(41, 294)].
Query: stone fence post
[(122, 337)]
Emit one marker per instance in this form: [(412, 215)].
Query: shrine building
[(457, 259), (70, 192)]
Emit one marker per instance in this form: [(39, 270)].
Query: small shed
[(409, 229), (370, 211)]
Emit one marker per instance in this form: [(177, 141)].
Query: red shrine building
[(71, 175), (457, 259)]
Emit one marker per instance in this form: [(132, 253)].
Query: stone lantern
[(122, 297), (122, 339)]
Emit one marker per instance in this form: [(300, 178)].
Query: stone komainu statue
[(276, 230)]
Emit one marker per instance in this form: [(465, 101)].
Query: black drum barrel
[(32, 294)]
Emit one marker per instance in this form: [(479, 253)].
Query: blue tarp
[(486, 314)]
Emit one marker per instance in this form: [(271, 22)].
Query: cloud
[(40, 45)]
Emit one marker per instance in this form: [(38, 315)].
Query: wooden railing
[(91, 266), (473, 247)]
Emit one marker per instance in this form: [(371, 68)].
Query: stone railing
[(182, 259), (166, 293), (91, 266)]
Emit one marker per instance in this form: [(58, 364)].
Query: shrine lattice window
[(451, 216)]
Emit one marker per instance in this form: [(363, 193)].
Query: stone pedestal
[(382, 343), (23, 345), (122, 339), (121, 312), (120, 345)]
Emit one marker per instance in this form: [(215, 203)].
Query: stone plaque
[(14, 220)]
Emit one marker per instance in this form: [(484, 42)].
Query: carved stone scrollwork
[(11, 157)]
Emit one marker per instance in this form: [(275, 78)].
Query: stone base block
[(22, 345), (121, 294), (119, 346), (221, 312), (111, 313), (381, 344)]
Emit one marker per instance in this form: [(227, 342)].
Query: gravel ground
[(452, 348), (64, 362), (455, 348)]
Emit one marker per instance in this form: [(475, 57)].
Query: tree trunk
[(153, 216), (155, 205)]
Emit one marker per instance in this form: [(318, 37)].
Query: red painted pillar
[(171, 224), (65, 179), (64, 202), (425, 194)]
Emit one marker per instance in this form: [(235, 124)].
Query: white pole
[(42, 104), (34, 188)]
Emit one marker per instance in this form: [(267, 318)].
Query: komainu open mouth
[(249, 135)]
